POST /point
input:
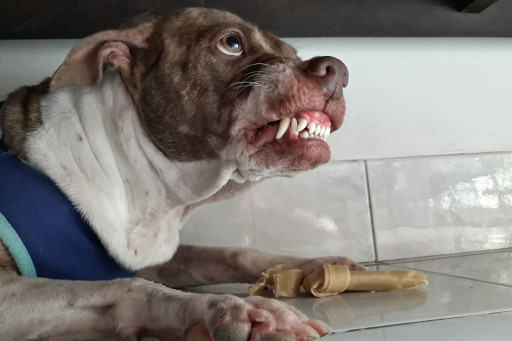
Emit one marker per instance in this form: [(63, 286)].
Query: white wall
[(406, 96), (27, 62), (398, 185)]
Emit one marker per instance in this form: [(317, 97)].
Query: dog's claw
[(321, 327), (305, 332)]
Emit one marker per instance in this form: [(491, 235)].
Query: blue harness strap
[(48, 229)]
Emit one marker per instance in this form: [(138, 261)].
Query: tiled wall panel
[(324, 212), (439, 205)]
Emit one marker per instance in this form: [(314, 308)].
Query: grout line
[(370, 211), (447, 274), (448, 255), (387, 158), (251, 201)]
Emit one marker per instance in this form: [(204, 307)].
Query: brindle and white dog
[(140, 126)]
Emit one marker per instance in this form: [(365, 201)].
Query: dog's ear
[(114, 49)]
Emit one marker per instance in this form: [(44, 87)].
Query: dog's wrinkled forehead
[(199, 27)]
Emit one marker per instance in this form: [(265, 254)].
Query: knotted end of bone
[(284, 280), (327, 280)]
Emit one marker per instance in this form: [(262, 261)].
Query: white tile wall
[(28, 62), (437, 205), (324, 212), (408, 100)]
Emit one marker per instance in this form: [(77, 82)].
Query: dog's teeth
[(283, 127), (293, 127), (302, 123), (304, 135), (300, 127), (312, 128)]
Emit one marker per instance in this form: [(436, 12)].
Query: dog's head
[(209, 85)]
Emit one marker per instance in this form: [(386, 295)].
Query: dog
[(135, 130)]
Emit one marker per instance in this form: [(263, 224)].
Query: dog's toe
[(276, 335)]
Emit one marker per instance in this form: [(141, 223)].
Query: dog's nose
[(329, 72)]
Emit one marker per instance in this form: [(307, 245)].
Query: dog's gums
[(309, 124), (305, 125)]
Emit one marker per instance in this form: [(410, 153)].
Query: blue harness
[(44, 232)]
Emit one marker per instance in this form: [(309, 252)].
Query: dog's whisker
[(252, 65), (247, 85), (242, 87), (270, 77), (243, 83), (249, 79), (253, 74), (249, 82)]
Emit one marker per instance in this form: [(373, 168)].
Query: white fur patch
[(91, 143)]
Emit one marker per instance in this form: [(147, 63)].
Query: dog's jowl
[(102, 163)]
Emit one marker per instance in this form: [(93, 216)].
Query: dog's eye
[(231, 45)]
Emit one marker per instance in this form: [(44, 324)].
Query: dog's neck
[(97, 152)]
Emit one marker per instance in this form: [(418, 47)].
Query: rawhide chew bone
[(284, 280), (333, 279)]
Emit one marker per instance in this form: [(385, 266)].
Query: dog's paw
[(230, 318)]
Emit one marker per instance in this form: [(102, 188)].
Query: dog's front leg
[(128, 309), (43, 309), (200, 265)]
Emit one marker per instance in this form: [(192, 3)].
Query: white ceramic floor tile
[(444, 297), (493, 267), (323, 212), (440, 205), (495, 327)]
